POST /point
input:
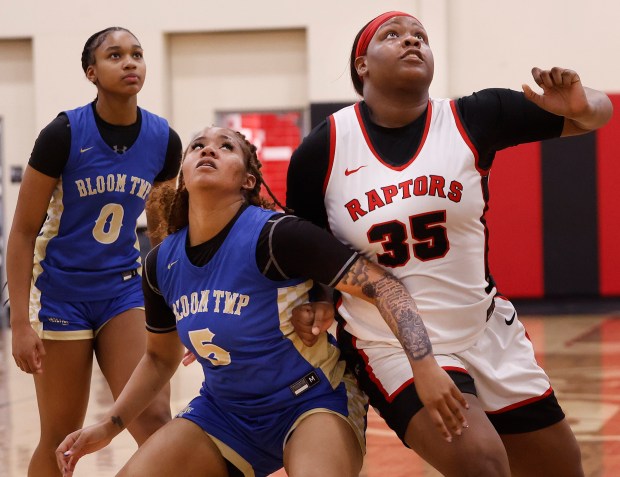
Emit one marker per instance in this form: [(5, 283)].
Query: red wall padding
[(276, 135), (515, 222), (515, 216), (608, 171)]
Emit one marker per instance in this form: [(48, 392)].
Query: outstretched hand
[(79, 443), (562, 92), (442, 399), (311, 319)]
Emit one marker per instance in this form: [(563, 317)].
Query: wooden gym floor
[(580, 352)]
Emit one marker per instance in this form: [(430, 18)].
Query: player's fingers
[(28, 365), (545, 80), (73, 460), (437, 419), (569, 77), (530, 94), (460, 417), (36, 364), (40, 349), (65, 457), (454, 417), (320, 324), (62, 461), (303, 315), (18, 363), (449, 413), (188, 358), (536, 75), (556, 75), (458, 395), (323, 317), (74, 454)]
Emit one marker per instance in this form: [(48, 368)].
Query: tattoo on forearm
[(118, 421), (396, 306)]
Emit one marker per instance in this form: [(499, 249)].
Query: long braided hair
[(172, 204)]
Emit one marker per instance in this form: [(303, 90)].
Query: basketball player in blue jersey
[(403, 178), (223, 284), (85, 186)]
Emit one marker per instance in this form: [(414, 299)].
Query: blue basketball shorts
[(54, 319), (254, 444)]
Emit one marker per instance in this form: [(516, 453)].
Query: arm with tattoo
[(118, 422), (371, 283), (441, 398)]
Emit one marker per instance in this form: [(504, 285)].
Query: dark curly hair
[(171, 205)]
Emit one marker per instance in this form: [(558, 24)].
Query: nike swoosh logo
[(348, 172), (512, 318), (171, 263), (84, 149)]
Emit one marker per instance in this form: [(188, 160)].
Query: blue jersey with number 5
[(237, 323)]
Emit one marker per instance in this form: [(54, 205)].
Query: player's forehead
[(215, 132), (401, 21), (118, 39)]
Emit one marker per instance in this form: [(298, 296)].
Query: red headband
[(371, 29)]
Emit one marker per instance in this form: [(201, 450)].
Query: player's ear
[(361, 66), (250, 182), (91, 75)]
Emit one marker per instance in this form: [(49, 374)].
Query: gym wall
[(207, 59)]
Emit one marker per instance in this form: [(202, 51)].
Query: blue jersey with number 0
[(88, 248)]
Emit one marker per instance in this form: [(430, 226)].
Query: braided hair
[(172, 204), (94, 42)]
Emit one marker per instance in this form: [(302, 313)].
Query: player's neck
[(120, 111), (394, 111), (206, 221)]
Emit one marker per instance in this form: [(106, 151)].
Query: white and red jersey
[(423, 221)]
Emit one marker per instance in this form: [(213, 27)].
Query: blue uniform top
[(88, 248), (237, 322)]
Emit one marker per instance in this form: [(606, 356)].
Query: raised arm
[(584, 109), (436, 389), (163, 355)]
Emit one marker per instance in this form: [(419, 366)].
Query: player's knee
[(153, 418), (486, 463), (157, 414), (51, 437), (334, 470)]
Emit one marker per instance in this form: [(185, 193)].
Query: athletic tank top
[(423, 221), (88, 248), (237, 323)]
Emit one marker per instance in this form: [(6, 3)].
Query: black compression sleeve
[(173, 158), (290, 247), (306, 174), (51, 149), (498, 118), (159, 317)]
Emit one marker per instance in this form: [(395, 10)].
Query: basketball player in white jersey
[(403, 178)]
